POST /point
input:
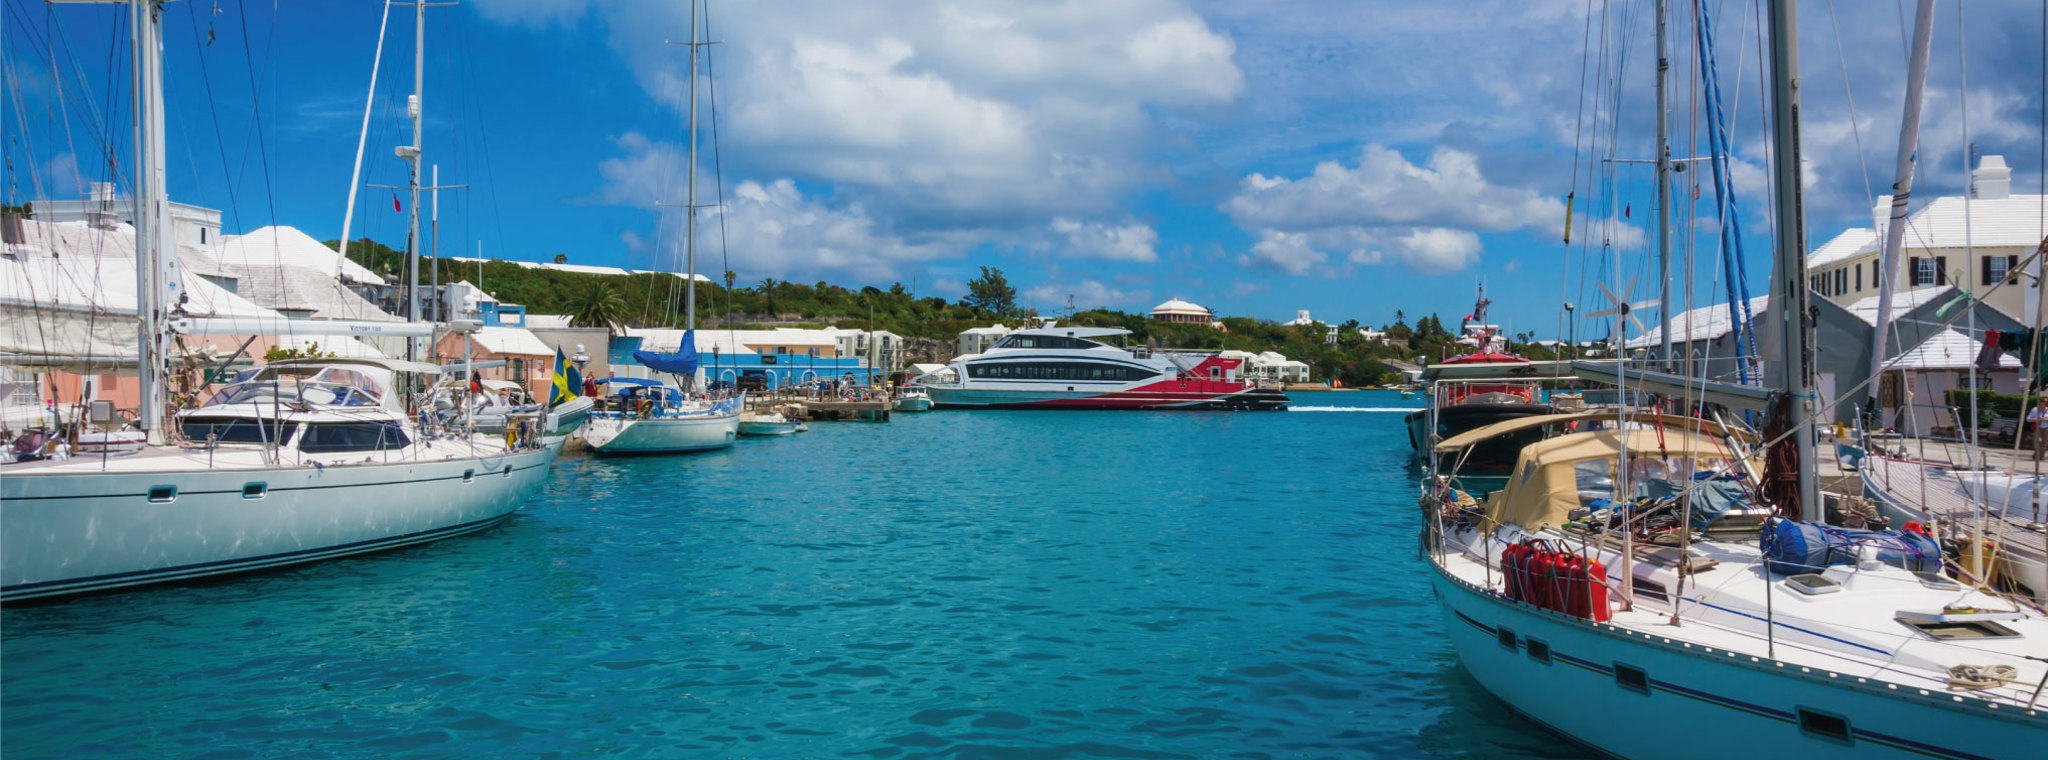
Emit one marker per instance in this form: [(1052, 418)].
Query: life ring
[(646, 411)]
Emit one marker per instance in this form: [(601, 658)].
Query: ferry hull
[(63, 534), (1700, 703), (1138, 399), (661, 435)]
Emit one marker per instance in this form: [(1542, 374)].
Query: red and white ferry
[(1055, 367)]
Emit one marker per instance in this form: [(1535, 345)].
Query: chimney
[(1881, 216), (1991, 180)]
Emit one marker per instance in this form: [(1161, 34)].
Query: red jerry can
[(1571, 585), (1545, 583), (1596, 586)]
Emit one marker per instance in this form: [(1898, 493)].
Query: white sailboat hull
[(661, 435), (1741, 706), (67, 532), (759, 428), (914, 404)]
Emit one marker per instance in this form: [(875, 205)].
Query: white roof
[(586, 269), (514, 341), (1851, 242), (1948, 349), (1177, 306), (989, 330), (2012, 221), (287, 246), (1076, 332), (1866, 308), (678, 275), (926, 369), (1703, 323), (548, 321)]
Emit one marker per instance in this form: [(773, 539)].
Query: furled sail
[(682, 362)]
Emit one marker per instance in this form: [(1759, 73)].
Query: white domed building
[(1180, 311)]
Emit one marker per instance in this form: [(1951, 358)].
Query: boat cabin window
[(1963, 629), (334, 437), (1081, 371), (1046, 341), (236, 430)]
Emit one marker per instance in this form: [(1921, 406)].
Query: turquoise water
[(951, 584)]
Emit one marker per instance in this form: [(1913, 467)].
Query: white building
[(978, 340), (1184, 312), (1268, 365), (190, 225), (1972, 245)]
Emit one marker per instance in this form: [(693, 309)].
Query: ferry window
[(1631, 678), (1045, 341), (231, 430), (1058, 371), (331, 437)]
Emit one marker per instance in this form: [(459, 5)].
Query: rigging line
[(256, 111), (718, 176), (1578, 136), (212, 108), (1854, 131)]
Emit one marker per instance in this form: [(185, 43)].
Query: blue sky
[(1350, 158)]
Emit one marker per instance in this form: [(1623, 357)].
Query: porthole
[(1631, 678), (1824, 725), (255, 490), (1539, 651), (163, 494), (1507, 638)]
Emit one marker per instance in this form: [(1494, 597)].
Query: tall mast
[(413, 108), (156, 284), (690, 236), (1902, 190), (1663, 193), (1791, 367)]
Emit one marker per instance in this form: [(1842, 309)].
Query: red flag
[(1624, 208), (394, 203)]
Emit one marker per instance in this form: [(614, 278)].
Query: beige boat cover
[(1669, 421), (1543, 488)]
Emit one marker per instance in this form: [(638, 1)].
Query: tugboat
[(1472, 391)]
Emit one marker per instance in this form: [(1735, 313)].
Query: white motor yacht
[(1056, 367)]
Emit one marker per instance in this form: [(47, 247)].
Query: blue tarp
[(682, 362)]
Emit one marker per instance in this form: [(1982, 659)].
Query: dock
[(826, 409)]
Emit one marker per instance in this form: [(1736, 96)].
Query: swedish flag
[(568, 381)]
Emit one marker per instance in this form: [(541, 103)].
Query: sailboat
[(292, 462), (648, 417), (1661, 586)]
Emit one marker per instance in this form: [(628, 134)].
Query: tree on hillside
[(730, 278), (991, 291), (561, 258), (596, 306)]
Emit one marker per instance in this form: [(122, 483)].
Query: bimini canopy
[(1556, 476), (1481, 434)]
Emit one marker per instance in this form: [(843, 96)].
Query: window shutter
[(1913, 270), (1984, 273), (2012, 269), (1941, 270)]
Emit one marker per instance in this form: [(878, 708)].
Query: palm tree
[(730, 278), (596, 306)]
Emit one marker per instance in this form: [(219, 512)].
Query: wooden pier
[(824, 409)]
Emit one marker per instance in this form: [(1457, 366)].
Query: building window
[(1841, 281), (1925, 271), (1999, 269), (1859, 278)]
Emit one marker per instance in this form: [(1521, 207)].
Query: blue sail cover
[(682, 362)]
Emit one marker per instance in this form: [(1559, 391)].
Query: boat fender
[(511, 437)]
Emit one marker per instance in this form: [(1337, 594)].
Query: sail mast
[(1663, 192), (155, 283), (690, 235), (1791, 367), (414, 107), (1902, 189)]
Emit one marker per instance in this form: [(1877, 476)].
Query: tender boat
[(1475, 390), (297, 461), (1055, 367), (769, 423), (647, 417), (912, 398)]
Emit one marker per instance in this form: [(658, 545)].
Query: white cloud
[(775, 229), (633, 242), (1095, 240), (1384, 189), (1288, 252), (1385, 208), (1050, 297), (936, 114)]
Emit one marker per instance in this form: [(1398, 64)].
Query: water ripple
[(950, 585)]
